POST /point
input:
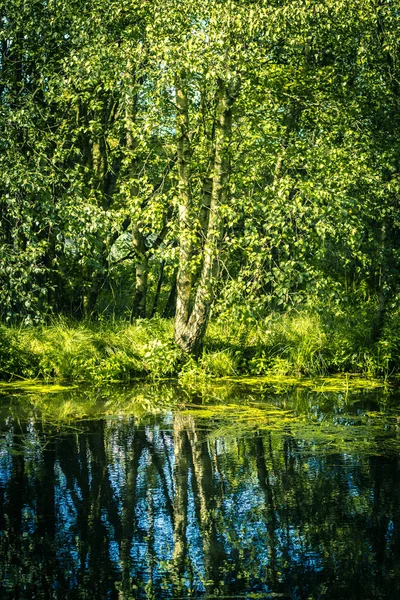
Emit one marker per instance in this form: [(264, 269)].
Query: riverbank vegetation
[(199, 189), (297, 344)]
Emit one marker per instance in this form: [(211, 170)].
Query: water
[(246, 493)]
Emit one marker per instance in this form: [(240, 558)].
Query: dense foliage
[(162, 154)]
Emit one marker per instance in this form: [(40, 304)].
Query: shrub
[(221, 363), (15, 358)]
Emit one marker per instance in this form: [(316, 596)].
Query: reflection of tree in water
[(116, 510)]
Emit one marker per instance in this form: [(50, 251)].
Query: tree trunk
[(98, 280), (383, 290), (169, 308), (158, 289), (190, 326), (184, 277), (142, 274)]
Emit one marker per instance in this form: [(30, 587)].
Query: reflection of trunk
[(46, 519), (72, 456), (191, 322), (158, 465), (181, 501), (142, 272), (380, 520), (396, 506), (128, 513), (214, 555), (100, 567), (85, 468), (16, 492), (15, 497), (150, 539), (73, 460), (271, 524)]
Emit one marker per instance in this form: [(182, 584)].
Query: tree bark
[(184, 277), (383, 288), (158, 288), (142, 274), (169, 308), (190, 326)]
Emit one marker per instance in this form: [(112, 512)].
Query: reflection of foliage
[(367, 433), (24, 386), (59, 405), (196, 380), (342, 383), (328, 415), (240, 493)]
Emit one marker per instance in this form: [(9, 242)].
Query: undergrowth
[(292, 344), (90, 352)]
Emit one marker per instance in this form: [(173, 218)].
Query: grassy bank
[(291, 344)]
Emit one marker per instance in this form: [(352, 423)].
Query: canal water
[(235, 491)]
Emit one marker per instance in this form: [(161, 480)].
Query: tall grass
[(307, 342), (91, 352), (298, 343)]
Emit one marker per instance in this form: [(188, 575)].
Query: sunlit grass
[(91, 352), (291, 345)]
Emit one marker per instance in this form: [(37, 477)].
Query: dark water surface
[(245, 494)]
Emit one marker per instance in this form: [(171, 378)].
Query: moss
[(337, 383), (338, 428), (23, 386)]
